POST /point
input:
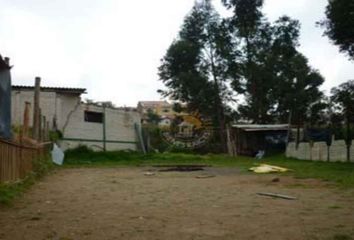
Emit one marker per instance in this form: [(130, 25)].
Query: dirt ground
[(125, 203)]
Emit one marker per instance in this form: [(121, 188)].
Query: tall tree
[(195, 68), (246, 25), (343, 97), (270, 63), (339, 25), (298, 90)]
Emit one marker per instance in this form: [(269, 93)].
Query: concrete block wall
[(338, 151), (120, 129), (319, 151), (120, 124), (47, 105)]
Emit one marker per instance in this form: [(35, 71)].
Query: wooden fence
[(16, 160)]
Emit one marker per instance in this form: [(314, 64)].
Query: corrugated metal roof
[(153, 103), (261, 127), (51, 89)]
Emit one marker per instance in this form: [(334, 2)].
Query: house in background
[(165, 122), (160, 108), (95, 126)]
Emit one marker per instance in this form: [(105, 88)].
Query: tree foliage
[(343, 100), (213, 59), (195, 68), (343, 96), (269, 64), (339, 25)]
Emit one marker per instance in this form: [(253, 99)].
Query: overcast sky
[(113, 47)]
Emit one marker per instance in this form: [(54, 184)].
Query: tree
[(298, 90), (270, 70), (319, 113), (343, 98), (152, 117), (266, 49), (269, 63), (247, 15), (339, 25), (245, 26), (195, 68)]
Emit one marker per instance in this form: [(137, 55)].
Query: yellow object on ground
[(265, 168)]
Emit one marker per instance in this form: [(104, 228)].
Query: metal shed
[(248, 139)]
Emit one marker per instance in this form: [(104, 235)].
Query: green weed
[(9, 191)]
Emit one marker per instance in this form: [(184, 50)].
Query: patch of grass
[(340, 173), (82, 156), (9, 191), (334, 207)]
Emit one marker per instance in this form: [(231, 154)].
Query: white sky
[(113, 47)]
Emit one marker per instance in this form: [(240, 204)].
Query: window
[(96, 117)]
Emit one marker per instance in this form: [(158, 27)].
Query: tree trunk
[(219, 106), (297, 135)]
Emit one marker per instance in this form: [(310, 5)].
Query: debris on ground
[(205, 176), (180, 168), (260, 154), (276, 180), (265, 168), (275, 195), (57, 155), (36, 218), (149, 173)]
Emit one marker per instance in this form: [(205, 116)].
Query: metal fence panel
[(5, 102)]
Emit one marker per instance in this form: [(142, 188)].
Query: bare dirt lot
[(124, 203)]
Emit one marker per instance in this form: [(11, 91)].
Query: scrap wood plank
[(277, 195)]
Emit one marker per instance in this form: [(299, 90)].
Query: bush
[(153, 134), (83, 155), (54, 136)]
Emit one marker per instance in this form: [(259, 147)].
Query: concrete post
[(36, 110), (43, 126), (26, 118), (40, 133), (47, 131)]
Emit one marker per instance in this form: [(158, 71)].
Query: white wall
[(47, 105), (120, 129), (120, 124), (319, 151)]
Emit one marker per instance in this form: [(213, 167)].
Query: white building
[(79, 123), (165, 122)]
